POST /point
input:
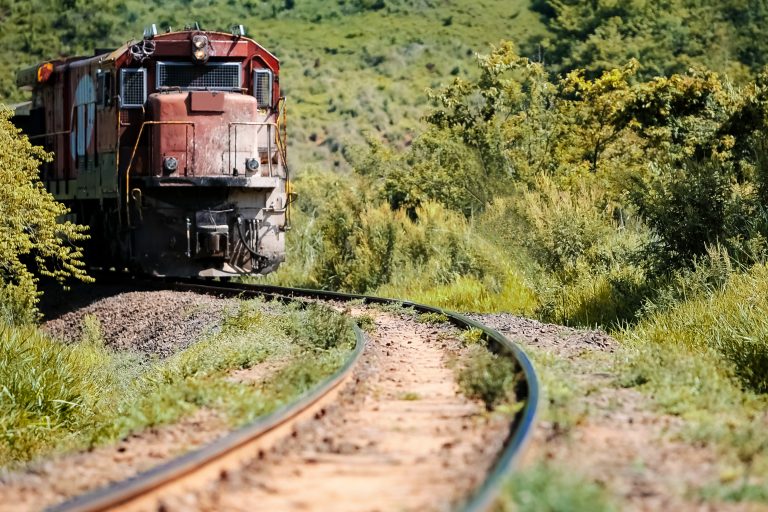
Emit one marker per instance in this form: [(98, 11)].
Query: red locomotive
[(172, 149)]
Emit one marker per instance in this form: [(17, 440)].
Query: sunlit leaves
[(32, 240)]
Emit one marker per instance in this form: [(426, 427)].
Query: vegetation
[(607, 168), (58, 397), (668, 38), (545, 488), (32, 242), (488, 377)]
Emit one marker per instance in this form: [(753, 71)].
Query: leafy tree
[(667, 37), (32, 242)]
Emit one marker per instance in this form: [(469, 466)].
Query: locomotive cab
[(173, 150)]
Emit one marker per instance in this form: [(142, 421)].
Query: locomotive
[(172, 149)]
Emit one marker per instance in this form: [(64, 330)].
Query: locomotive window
[(213, 76), (262, 87), (133, 87), (104, 89)]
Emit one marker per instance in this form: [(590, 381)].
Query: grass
[(731, 323), (488, 377), (544, 488), (468, 293), (432, 318), (56, 397), (561, 391)]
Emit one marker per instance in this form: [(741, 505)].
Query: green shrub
[(34, 239), (487, 377), (598, 265), (320, 328)]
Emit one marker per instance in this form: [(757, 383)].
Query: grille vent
[(133, 87), (262, 87), (223, 76)]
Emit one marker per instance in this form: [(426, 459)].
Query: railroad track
[(144, 490)]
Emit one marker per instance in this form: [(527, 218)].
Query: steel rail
[(520, 433), (127, 492), (521, 429)]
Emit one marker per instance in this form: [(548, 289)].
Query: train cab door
[(82, 135), (106, 132)]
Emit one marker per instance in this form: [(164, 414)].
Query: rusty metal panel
[(207, 101)]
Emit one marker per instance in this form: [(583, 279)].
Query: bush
[(596, 253), (320, 328), (32, 241), (487, 377)]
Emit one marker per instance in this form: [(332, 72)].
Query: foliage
[(668, 38), (32, 242), (56, 397), (359, 244), (489, 377), (320, 328), (730, 322), (547, 489), (47, 389)]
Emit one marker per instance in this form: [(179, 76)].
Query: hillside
[(357, 65), (602, 167)]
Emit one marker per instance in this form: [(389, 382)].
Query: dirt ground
[(617, 440), (403, 438)]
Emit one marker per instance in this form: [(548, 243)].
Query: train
[(171, 148)]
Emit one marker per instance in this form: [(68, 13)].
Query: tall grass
[(731, 322), (49, 391), (56, 397)]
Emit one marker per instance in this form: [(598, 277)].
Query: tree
[(33, 242)]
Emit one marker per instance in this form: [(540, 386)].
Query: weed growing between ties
[(59, 397), (491, 378)]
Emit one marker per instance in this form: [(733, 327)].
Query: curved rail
[(519, 435), (129, 491), (521, 429)]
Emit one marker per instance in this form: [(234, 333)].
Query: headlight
[(170, 164), (199, 41), (200, 48), (251, 164)]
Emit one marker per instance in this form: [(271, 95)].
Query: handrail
[(136, 147), (269, 125), (62, 132)]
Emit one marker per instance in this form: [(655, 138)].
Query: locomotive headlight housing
[(200, 41), (170, 164), (252, 164), (200, 48)]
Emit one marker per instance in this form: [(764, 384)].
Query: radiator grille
[(133, 87), (262, 87), (224, 76)]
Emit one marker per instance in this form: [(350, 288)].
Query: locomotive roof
[(184, 35), (26, 77)]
